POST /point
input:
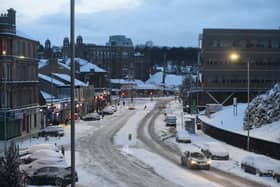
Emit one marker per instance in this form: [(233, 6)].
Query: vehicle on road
[(195, 160), (41, 154), (91, 117), (258, 164), (115, 108), (183, 136), (215, 151), (51, 175), (52, 131), (170, 120)]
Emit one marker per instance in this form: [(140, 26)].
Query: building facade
[(222, 78), (20, 112), (115, 59)]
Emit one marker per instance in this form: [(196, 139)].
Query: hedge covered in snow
[(264, 109)]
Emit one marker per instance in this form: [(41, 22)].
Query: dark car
[(51, 131), (51, 175), (195, 160)]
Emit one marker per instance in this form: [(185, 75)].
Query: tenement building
[(232, 58), (20, 113)]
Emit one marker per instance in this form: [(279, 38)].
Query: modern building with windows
[(222, 78), (20, 112)]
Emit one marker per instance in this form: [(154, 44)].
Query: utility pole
[(6, 106), (72, 34)]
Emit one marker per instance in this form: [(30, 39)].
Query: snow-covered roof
[(85, 66), (89, 67), (46, 95), (42, 63), (68, 79), (64, 65), (125, 81), (138, 54), (146, 87), (170, 79), (51, 80)]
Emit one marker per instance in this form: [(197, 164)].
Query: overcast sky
[(165, 22)]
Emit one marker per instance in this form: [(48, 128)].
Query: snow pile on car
[(264, 109)]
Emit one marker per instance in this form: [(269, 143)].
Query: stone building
[(20, 112)]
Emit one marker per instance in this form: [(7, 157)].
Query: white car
[(91, 116), (183, 136), (215, 151), (170, 120), (114, 107), (30, 168), (37, 147), (41, 154), (258, 164), (52, 130), (108, 110)]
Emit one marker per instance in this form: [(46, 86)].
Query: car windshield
[(197, 155)]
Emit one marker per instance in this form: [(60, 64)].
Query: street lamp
[(235, 57)]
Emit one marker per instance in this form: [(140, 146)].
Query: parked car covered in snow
[(30, 168), (51, 175), (195, 160), (37, 147), (91, 117), (215, 151), (183, 136), (51, 131), (258, 164), (107, 111), (39, 154)]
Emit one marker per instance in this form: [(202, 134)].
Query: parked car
[(183, 136), (258, 164), (114, 107), (30, 168), (131, 107), (215, 151), (37, 147), (170, 120), (195, 160), (51, 131), (51, 175), (107, 111), (91, 117), (276, 173), (39, 154)]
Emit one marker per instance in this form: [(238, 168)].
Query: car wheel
[(59, 182), (27, 180)]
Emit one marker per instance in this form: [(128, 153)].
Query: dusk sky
[(165, 22)]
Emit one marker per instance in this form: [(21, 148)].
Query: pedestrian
[(123, 103), (62, 150), (102, 115), (145, 107)]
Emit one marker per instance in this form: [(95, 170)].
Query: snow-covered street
[(120, 151)]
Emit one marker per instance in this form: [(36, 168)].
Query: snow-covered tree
[(10, 175), (264, 109)]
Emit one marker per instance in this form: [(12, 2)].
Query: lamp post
[(235, 57)]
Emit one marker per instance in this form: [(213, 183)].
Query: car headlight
[(209, 162), (193, 162)]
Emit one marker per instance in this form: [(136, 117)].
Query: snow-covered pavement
[(90, 149)]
